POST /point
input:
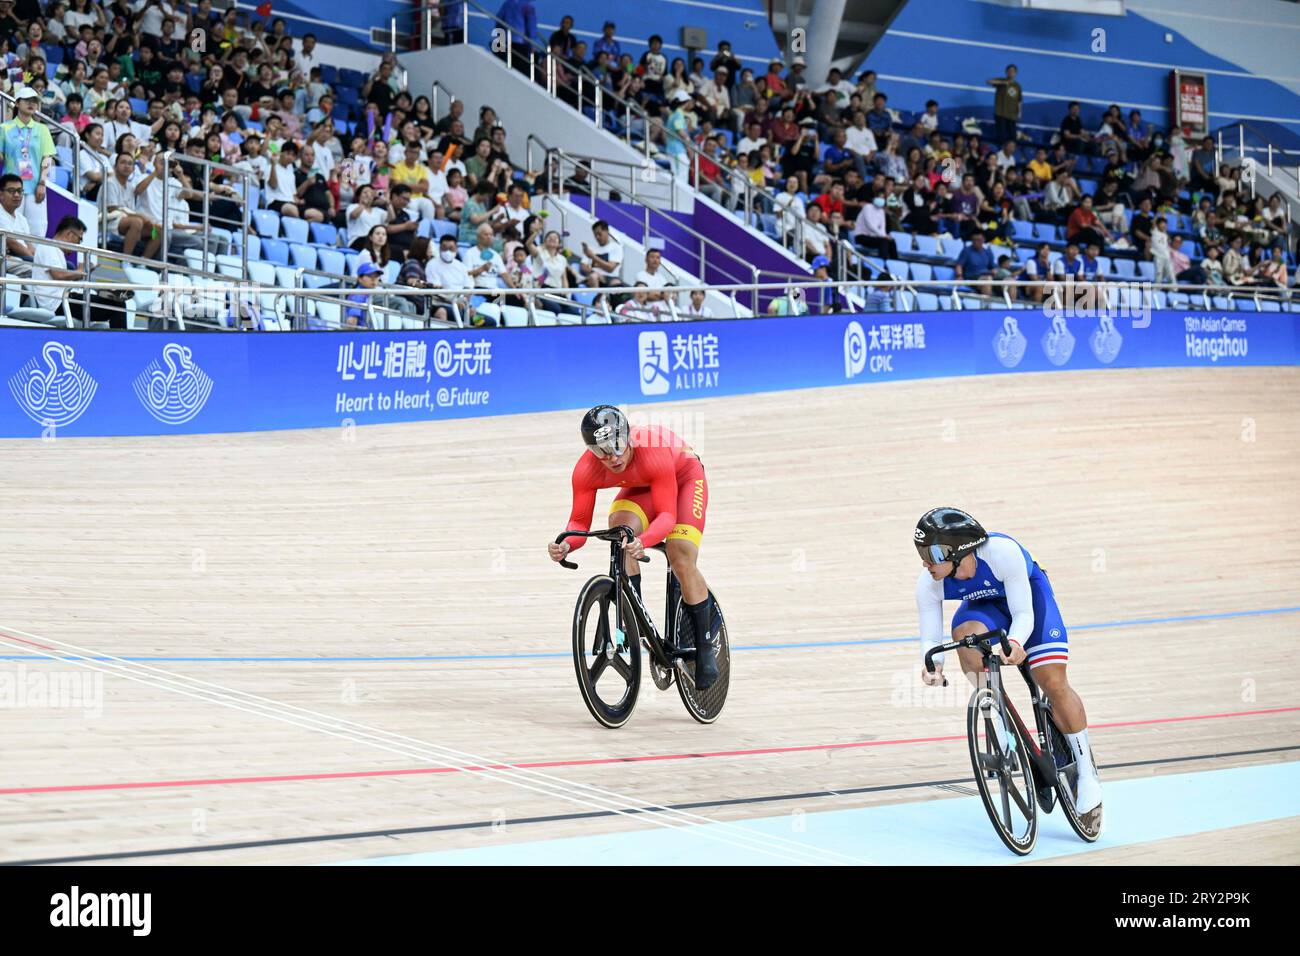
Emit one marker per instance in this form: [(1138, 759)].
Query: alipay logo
[(1009, 343), (53, 389), (173, 394), (652, 349), (855, 350)]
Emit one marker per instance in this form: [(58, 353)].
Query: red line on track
[(44, 647), (589, 762)]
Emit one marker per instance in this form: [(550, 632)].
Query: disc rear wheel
[(704, 705)]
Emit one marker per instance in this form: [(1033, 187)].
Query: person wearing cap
[(367, 278), (678, 127), (607, 44), (718, 97), (29, 154), (725, 59), (795, 79)]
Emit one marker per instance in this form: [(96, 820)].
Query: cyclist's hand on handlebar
[(935, 679), (558, 551), (1017, 654), (634, 548)]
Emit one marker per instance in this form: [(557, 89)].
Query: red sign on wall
[(1190, 107)]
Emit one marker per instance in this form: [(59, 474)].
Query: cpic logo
[(918, 534), (855, 349), (1058, 341), (1009, 344), (1105, 340), (57, 394), (178, 394), (652, 350)]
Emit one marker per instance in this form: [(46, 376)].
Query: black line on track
[(588, 815)]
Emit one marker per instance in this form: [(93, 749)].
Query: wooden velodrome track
[(1150, 496)]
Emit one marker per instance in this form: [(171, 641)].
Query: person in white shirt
[(124, 215), (253, 160), (51, 263), (654, 276), (549, 265), (483, 263), (120, 124), (753, 139), (151, 24), (639, 308), (602, 263), (697, 309), (15, 223), (446, 271), (281, 186), (789, 207), (363, 215), (816, 239), (717, 95), (858, 138)]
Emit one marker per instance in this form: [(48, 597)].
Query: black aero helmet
[(947, 534), (605, 431)]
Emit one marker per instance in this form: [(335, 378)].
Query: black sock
[(635, 580), (700, 614)]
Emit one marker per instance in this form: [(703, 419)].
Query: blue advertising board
[(142, 383)]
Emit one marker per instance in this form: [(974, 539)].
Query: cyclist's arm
[(584, 502), (929, 607), (1007, 562)]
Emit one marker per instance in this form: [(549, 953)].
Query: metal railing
[(206, 221), (1120, 300)]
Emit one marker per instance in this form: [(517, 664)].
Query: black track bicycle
[(609, 634), (1017, 773)]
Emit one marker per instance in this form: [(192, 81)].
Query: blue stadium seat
[(1146, 271), (1022, 231), (1223, 303), (903, 240), (444, 227), (295, 230), (1045, 231), (302, 256), (897, 268), (267, 223), (324, 233), (1126, 268), (275, 251), (329, 74), (138, 107), (332, 261), (922, 271), (928, 246), (927, 302)]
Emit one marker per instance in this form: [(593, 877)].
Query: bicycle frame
[(664, 650), (1041, 759)]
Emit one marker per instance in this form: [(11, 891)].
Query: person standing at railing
[(29, 154), (520, 17)]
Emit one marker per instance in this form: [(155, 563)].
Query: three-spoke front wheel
[(607, 661), (1000, 758)]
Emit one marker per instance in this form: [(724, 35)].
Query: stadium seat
[(1269, 305), (295, 230), (276, 251), (928, 246), (332, 261), (903, 240), (544, 317), (922, 271), (1146, 271), (1223, 303), (897, 268), (513, 316), (1022, 231), (1126, 268), (267, 223), (927, 301), (302, 256), (445, 227), (324, 233)]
